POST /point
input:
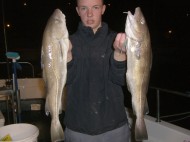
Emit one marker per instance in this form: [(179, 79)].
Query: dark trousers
[(121, 134)]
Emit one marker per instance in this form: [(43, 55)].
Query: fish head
[(136, 26), (57, 25)]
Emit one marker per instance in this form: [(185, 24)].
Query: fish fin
[(47, 108), (56, 130), (61, 101), (146, 108), (44, 77), (140, 130), (42, 61), (138, 51), (133, 108), (60, 107), (128, 82), (128, 87)]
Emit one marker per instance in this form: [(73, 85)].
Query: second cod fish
[(55, 44), (139, 60)]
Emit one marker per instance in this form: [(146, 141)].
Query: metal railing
[(28, 63), (158, 91), (16, 103)]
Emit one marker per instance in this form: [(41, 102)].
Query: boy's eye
[(83, 8), (96, 7)]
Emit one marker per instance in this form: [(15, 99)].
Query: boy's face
[(90, 12)]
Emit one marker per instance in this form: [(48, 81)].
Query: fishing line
[(175, 120), (4, 26), (5, 40), (173, 115)]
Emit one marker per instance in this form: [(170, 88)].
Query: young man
[(95, 110)]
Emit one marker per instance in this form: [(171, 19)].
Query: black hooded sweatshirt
[(95, 100)]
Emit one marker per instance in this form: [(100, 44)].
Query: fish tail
[(140, 130), (56, 130)]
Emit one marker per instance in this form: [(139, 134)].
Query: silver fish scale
[(138, 68), (55, 45)]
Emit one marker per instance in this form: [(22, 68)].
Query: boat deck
[(43, 122), (40, 120), (173, 107)]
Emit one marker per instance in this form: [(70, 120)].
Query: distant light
[(25, 4), (69, 3), (109, 4), (187, 14), (170, 31), (8, 25)]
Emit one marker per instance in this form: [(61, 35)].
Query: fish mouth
[(137, 16), (58, 15), (131, 25), (135, 20)]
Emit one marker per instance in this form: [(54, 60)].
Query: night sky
[(168, 22), (27, 19)]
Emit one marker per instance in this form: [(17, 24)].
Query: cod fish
[(55, 45), (139, 60)]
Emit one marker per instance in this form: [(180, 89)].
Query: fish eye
[(142, 21)]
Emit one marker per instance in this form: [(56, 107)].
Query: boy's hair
[(78, 0)]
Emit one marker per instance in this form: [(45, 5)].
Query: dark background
[(171, 60)]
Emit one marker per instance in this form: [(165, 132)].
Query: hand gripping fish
[(55, 44), (139, 60)]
